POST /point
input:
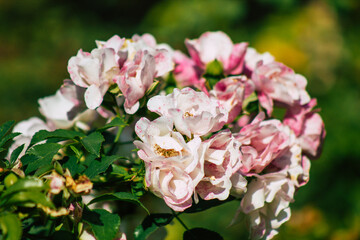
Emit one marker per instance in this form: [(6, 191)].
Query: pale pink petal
[(93, 97)]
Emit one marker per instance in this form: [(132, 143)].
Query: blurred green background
[(319, 39)]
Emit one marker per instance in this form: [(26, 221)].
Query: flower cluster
[(215, 133)]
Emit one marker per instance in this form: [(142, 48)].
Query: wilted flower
[(82, 185), (56, 183)]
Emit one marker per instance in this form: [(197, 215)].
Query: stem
[(128, 142), (180, 221), (117, 109), (120, 129)]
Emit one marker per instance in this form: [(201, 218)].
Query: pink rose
[(192, 112), (261, 142), (173, 167), (217, 46), (187, 73), (231, 92), (308, 127), (222, 160), (268, 196), (162, 53), (253, 59), (266, 203), (66, 108), (95, 71), (135, 78), (170, 182), (277, 82), (116, 43)]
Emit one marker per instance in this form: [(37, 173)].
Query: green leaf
[(61, 134), (43, 169), (201, 233), (250, 104), (206, 204), (25, 184), (28, 160), (23, 198), (137, 188), (11, 226), (119, 170), (44, 153), (15, 154), (77, 152), (73, 166), (92, 143), (89, 159), (104, 225), (4, 129), (151, 223), (45, 150), (8, 138), (96, 167), (121, 196), (116, 122)]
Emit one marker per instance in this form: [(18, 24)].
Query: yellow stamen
[(165, 152)]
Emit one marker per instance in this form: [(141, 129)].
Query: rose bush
[(202, 126)]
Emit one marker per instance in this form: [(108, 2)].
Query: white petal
[(93, 97)]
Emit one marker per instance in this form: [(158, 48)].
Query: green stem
[(120, 129), (117, 109), (180, 221)]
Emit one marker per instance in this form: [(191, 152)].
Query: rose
[(261, 142), (276, 82), (170, 182), (192, 112), (64, 109), (217, 46), (268, 196), (140, 61), (209, 47), (135, 78), (308, 127), (222, 160), (231, 92), (253, 59), (172, 165), (187, 73), (95, 71)]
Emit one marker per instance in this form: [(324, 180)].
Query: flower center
[(165, 152), (187, 114)]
